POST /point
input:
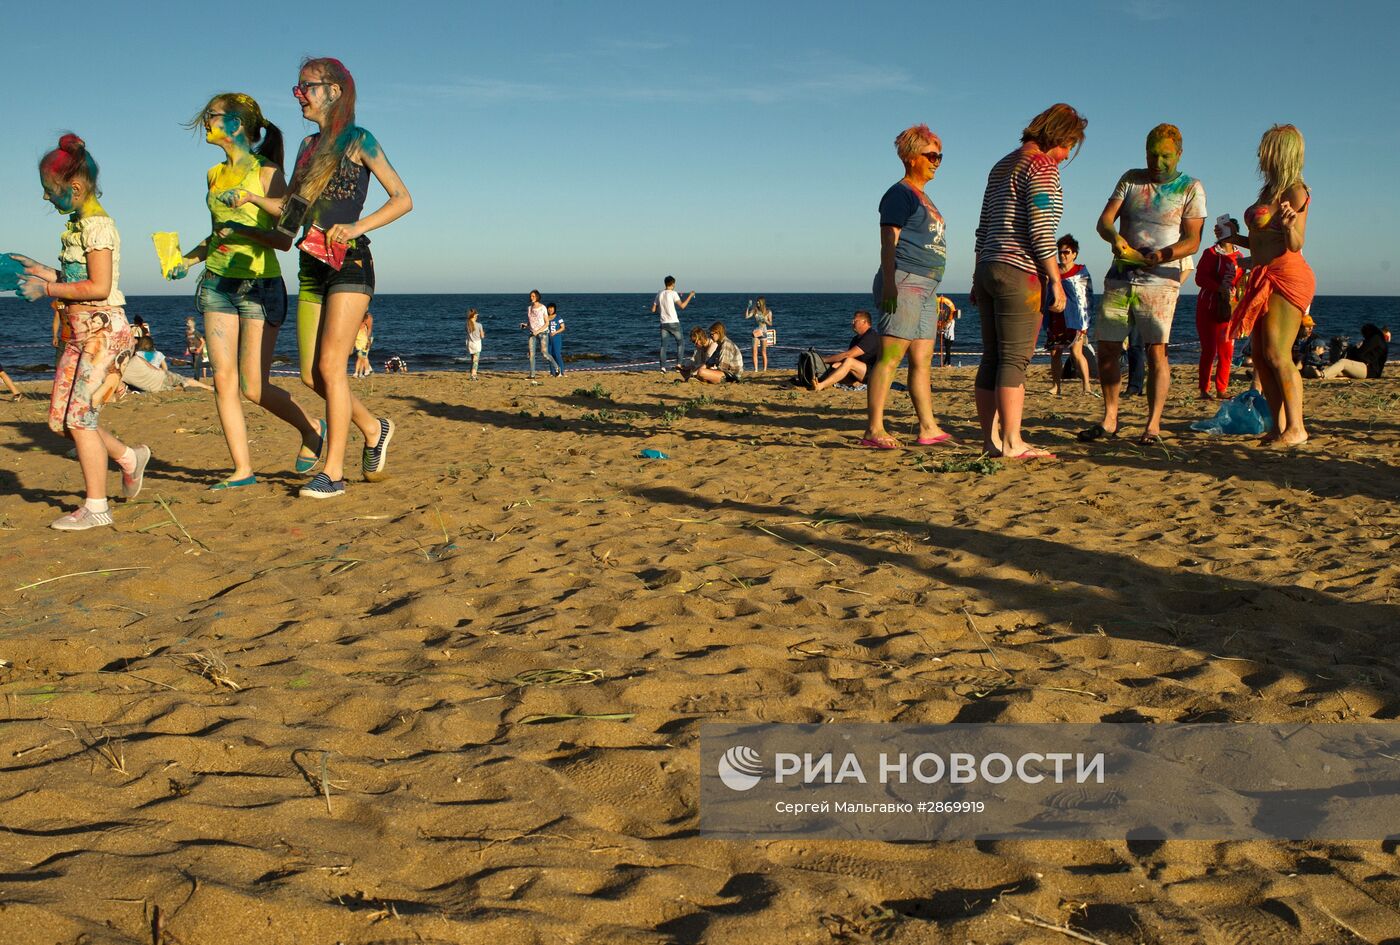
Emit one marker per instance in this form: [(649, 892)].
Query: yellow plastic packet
[(168, 251)]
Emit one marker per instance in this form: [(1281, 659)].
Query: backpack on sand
[(809, 368)]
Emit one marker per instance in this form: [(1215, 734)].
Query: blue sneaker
[(321, 487), (376, 457)]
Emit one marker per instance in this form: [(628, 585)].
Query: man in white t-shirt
[(666, 302)]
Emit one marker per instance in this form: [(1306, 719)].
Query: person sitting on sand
[(1365, 360), (149, 371), (1314, 359), (855, 363), (725, 362), (700, 346)]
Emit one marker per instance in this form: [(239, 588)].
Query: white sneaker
[(131, 485), (81, 519)]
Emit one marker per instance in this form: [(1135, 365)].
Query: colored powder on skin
[(167, 251), (10, 272)]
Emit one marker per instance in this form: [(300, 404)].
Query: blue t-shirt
[(556, 325), (922, 248)]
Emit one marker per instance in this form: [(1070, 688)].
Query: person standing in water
[(99, 341), (241, 293), (332, 172)]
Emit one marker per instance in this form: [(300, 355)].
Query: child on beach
[(475, 333), (364, 340), (333, 169), (90, 363), (556, 344), (195, 348)]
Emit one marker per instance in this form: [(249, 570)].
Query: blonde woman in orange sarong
[(1281, 284)]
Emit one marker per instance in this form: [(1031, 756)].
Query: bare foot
[(1287, 440), (1026, 451)]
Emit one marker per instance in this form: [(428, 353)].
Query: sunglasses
[(302, 88), (933, 157)]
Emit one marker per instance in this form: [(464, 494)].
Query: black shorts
[(317, 280)]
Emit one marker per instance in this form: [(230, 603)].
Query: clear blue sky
[(742, 146)]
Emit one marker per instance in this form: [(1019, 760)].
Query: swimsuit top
[(1262, 214)]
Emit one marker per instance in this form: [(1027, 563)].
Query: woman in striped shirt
[(1015, 252)]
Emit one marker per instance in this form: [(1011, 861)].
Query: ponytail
[(263, 134)]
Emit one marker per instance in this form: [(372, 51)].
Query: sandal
[(878, 443), (1152, 439), (1095, 432)]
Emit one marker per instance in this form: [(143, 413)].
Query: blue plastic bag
[(1245, 415), (653, 454), (10, 272)]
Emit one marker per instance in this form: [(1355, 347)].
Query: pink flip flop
[(877, 445), (934, 440)]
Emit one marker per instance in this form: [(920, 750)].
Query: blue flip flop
[(234, 483), (305, 464)]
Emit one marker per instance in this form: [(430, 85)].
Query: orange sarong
[(1289, 275)]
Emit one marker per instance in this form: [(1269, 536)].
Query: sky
[(743, 147)]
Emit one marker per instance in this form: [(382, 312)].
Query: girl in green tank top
[(241, 293)]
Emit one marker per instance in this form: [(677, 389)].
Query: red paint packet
[(314, 244)]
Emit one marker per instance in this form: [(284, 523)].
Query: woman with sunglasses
[(332, 173), (913, 254), (241, 293)]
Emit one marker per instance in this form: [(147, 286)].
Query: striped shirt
[(1020, 211)]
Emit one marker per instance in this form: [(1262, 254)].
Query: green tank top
[(236, 256)]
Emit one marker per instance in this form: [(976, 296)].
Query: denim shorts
[(916, 315), (258, 299), (318, 280)]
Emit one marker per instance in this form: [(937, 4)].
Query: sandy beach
[(462, 704)]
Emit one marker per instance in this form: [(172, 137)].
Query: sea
[(605, 332)]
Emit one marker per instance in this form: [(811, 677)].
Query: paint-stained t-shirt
[(922, 248), (1151, 218)]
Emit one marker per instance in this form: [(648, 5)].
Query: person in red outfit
[(1219, 275)]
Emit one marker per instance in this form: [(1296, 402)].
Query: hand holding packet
[(167, 251), (317, 246)]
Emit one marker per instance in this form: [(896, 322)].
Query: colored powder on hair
[(10, 272), (167, 251)]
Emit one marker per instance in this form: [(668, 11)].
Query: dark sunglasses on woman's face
[(934, 157), (303, 88)]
